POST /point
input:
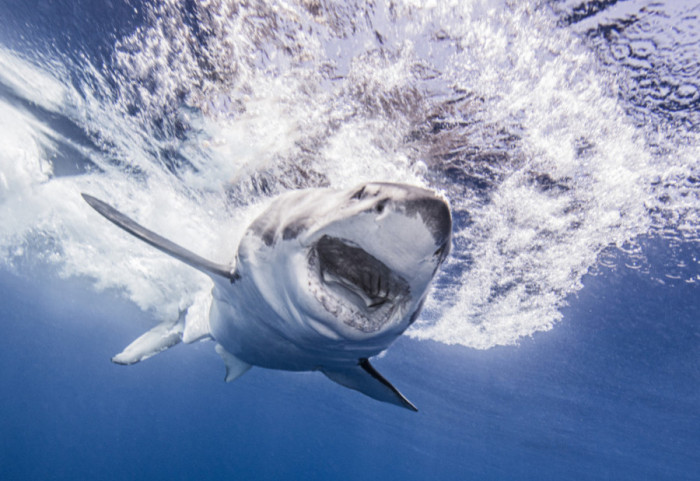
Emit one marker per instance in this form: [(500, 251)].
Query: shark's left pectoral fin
[(367, 380)]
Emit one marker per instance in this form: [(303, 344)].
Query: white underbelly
[(244, 324)]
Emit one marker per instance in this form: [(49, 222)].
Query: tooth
[(382, 292)]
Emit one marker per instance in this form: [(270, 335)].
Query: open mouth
[(354, 285)]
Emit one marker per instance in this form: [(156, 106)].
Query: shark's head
[(370, 267), (359, 261)]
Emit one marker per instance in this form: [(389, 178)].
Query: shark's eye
[(379, 208), (442, 251), (359, 194)]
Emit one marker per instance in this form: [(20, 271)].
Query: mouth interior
[(370, 286)]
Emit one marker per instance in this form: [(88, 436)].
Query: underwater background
[(560, 341)]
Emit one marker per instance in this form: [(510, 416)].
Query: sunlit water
[(566, 136)]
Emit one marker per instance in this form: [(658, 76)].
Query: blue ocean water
[(563, 339), (610, 393)]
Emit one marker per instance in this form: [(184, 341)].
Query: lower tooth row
[(346, 314)]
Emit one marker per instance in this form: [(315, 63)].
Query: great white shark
[(322, 280)]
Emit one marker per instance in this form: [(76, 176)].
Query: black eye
[(441, 253), (358, 195), (380, 206)]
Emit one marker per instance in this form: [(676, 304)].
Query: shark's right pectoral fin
[(157, 241), (235, 368), (367, 380)]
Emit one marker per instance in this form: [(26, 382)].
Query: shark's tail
[(191, 325), (158, 339)]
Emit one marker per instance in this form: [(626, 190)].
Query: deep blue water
[(613, 392), (610, 392)]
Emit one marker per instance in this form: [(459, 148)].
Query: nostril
[(359, 194)]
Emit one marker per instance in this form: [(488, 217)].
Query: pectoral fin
[(157, 241), (364, 378)]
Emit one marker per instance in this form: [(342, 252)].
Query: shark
[(323, 280)]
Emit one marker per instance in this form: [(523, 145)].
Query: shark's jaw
[(353, 286)]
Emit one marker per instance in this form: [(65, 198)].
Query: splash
[(514, 111)]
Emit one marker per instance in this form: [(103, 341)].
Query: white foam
[(31, 82)]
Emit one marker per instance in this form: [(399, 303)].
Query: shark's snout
[(413, 201), (435, 213)]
